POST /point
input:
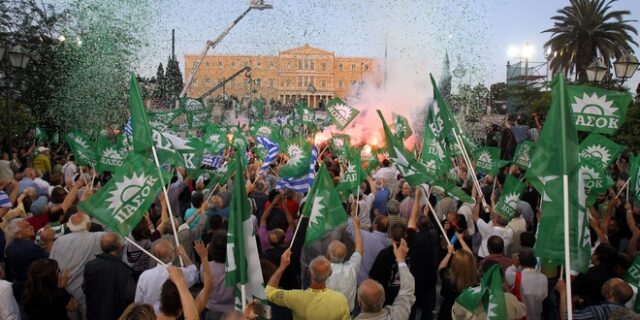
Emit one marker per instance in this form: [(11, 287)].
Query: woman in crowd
[(45, 296)]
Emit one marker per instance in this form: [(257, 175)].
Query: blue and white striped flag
[(212, 161), (4, 200), (272, 152), (302, 184), (128, 129)]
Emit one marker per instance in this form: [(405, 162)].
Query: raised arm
[(285, 259), (207, 279), (463, 244), (71, 197), (267, 211), (595, 224), (411, 224), (445, 261), (357, 232), (189, 309)]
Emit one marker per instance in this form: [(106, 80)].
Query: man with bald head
[(615, 293), (74, 250), (151, 281), (371, 294), (344, 275), (109, 286), (317, 302)]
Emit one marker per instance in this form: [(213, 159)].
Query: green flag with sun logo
[(599, 150), (598, 110), (298, 152), (341, 113), (123, 201), (509, 197)]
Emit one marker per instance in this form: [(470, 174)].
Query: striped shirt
[(4, 200)]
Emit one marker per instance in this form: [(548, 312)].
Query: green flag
[(634, 181), (341, 113), (82, 149), (522, 155), (322, 207), (490, 294), (510, 196), (598, 110), (161, 121), (600, 150), (257, 109), (555, 165), (41, 135), (352, 176), (264, 129), (123, 201), (632, 277), (448, 186), (111, 157), (55, 138), (433, 155), (298, 150), (214, 139), (439, 117), (401, 126), (340, 144), (140, 125), (488, 160), (596, 180), (242, 265), (369, 159), (413, 171)]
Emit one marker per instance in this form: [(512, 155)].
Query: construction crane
[(253, 5), (246, 70)]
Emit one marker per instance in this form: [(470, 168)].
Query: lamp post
[(253, 4), (624, 67), (17, 58)]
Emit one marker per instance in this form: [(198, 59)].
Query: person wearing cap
[(41, 161)]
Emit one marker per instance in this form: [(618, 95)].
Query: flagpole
[(166, 198), (567, 249), (243, 295), (295, 232), (145, 251), (625, 186), (433, 212), (465, 156), (212, 191)]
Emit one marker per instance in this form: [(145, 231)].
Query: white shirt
[(9, 309), (69, 170), (518, 225), (364, 209), (42, 184), (72, 251), (487, 230), (388, 174), (465, 210), (534, 289), (344, 278), (151, 281)]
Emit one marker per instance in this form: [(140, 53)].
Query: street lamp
[(596, 71), (18, 58), (626, 66)]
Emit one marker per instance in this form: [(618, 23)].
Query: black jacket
[(108, 286)]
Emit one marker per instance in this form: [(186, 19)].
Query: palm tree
[(586, 30)]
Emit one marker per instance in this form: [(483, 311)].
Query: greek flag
[(128, 129), (4, 200), (302, 184), (212, 161), (272, 152)]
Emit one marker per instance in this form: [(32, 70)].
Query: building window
[(288, 82), (353, 67), (193, 65), (258, 64), (206, 64), (271, 65), (271, 83), (366, 67), (288, 65), (311, 64), (233, 63), (207, 80), (299, 64), (246, 64), (340, 67), (300, 82), (220, 65), (340, 84), (323, 66), (323, 83)]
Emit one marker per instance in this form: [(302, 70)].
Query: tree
[(498, 96), (585, 30), (173, 82), (444, 85), (628, 134), (159, 93)]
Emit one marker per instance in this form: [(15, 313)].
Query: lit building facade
[(306, 72)]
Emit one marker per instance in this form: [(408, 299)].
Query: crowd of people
[(389, 261)]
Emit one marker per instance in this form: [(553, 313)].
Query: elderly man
[(20, 253), (28, 177), (317, 302), (151, 281), (344, 275), (108, 283), (74, 250), (373, 242), (371, 295), (615, 292)]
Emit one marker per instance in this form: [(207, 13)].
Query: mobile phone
[(262, 310)]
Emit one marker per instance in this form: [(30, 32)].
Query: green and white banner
[(341, 113), (598, 110)]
